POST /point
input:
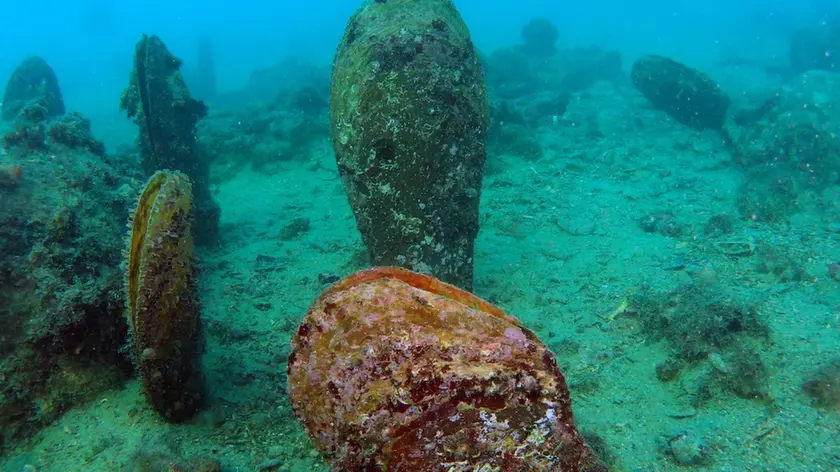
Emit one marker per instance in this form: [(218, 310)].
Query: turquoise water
[(677, 249)]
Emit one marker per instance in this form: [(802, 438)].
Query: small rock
[(668, 370), (270, 464), (719, 224), (718, 363), (686, 449), (823, 386), (683, 414), (267, 263), (295, 228), (603, 258), (566, 347), (327, 278), (834, 270), (662, 222), (781, 288), (242, 379), (627, 255), (834, 227), (229, 426)]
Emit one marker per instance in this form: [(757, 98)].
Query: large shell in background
[(410, 117), (687, 95), (394, 370), (162, 300), (32, 80)]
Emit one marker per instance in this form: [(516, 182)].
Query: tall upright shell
[(163, 310), (396, 371), (158, 100), (409, 122)]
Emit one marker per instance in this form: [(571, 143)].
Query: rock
[(833, 270), (627, 254), (510, 74), (266, 263), (823, 385), (310, 101), (669, 369), (793, 147), (687, 95), (809, 46), (326, 278), (291, 73), (719, 224), (686, 449), (34, 129), (206, 465), (663, 222), (539, 37), (73, 130), (603, 258), (28, 134), (62, 222), (294, 228), (10, 176)]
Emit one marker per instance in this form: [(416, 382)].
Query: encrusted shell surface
[(162, 304), (394, 370)]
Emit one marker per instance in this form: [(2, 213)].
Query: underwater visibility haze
[(420, 235)]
